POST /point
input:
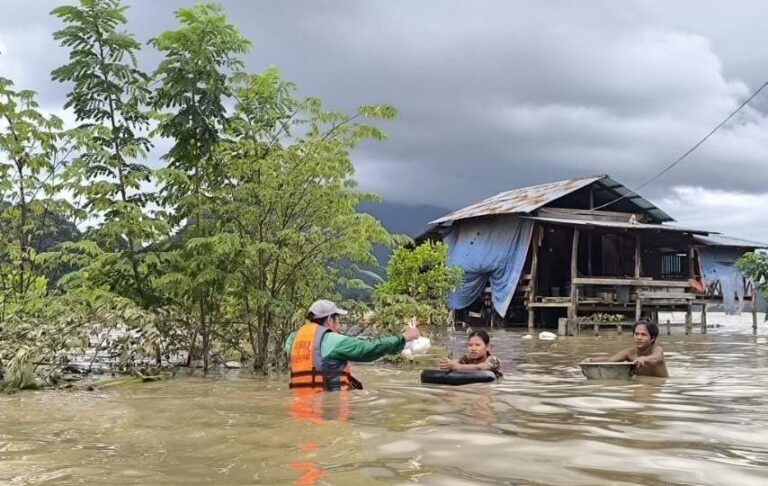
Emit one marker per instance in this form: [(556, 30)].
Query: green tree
[(200, 57), (261, 201), (754, 265), (32, 156), (109, 97), (33, 219), (290, 202), (417, 284)]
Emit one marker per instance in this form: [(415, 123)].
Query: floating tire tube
[(443, 377)]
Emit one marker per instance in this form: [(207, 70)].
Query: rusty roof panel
[(522, 200), (528, 199)]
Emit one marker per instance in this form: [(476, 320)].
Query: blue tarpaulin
[(718, 264), (489, 250)]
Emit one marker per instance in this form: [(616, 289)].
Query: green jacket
[(341, 347)]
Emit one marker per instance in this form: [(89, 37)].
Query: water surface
[(543, 425)]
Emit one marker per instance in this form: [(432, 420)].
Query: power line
[(688, 152)]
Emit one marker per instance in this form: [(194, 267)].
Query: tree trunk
[(204, 331), (191, 351), (259, 355), (253, 332), (264, 343), (252, 336)]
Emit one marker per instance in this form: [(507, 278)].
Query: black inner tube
[(443, 377)]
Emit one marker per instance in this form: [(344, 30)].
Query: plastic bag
[(416, 347)]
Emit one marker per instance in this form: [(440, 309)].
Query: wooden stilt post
[(573, 309), (535, 243), (691, 274), (691, 261), (754, 311), (703, 318), (638, 272)]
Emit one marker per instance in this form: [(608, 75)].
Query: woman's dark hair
[(653, 329), (482, 335)]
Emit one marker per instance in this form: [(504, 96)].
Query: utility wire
[(687, 153)]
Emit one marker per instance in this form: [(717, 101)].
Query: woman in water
[(478, 357)]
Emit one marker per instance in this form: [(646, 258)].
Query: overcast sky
[(494, 95)]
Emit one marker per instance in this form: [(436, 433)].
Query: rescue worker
[(320, 355)]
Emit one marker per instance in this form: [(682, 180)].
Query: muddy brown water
[(544, 424)]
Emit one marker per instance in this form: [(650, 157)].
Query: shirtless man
[(647, 355)]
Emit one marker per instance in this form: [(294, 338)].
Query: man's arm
[(621, 356), (656, 357), (338, 346)]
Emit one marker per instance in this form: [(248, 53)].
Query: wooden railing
[(632, 282)]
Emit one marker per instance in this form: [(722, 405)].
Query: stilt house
[(584, 250)]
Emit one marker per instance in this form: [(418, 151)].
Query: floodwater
[(544, 424)]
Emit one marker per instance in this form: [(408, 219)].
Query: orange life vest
[(309, 369)]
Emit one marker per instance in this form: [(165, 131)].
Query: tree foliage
[(290, 201), (214, 255), (754, 265), (418, 282), (32, 156), (109, 96), (193, 87)]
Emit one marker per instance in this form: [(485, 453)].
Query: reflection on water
[(543, 424)]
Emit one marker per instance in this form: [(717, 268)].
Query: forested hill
[(401, 218)]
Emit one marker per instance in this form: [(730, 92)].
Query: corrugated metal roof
[(635, 198), (617, 224), (528, 199), (723, 240), (522, 200)]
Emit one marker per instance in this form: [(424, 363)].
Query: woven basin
[(608, 371)]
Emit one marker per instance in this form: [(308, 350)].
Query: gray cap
[(323, 308)]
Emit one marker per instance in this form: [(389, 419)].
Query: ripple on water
[(597, 404), (543, 424), (531, 405)]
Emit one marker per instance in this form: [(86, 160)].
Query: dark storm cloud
[(495, 95)]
